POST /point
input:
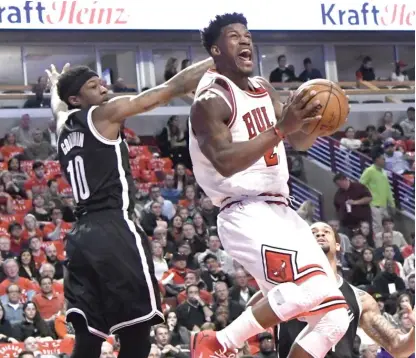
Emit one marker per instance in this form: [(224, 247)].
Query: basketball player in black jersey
[(110, 285), (363, 312)]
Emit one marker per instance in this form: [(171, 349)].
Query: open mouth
[(321, 241), (245, 55)]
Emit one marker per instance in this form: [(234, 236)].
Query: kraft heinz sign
[(309, 15)]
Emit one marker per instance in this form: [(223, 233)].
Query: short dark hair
[(209, 257), (367, 59), (280, 57), (37, 164), (339, 176), (190, 286), (377, 154), (386, 220), (45, 278), (66, 81), (211, 33), (388, 247), (307, 61), (411, 109)]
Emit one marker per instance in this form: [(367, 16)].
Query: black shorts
[(110, 274)]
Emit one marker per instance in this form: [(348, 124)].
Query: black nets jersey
[(97, 168), (288, 331)]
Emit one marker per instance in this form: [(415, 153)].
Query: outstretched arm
[(382, 332), (119, 108)]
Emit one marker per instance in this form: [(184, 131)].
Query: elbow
[(225, 169)]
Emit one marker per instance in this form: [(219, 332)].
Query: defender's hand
[(299, 110), (54, 75)]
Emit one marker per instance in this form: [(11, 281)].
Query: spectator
[(14, 169), (214, 273), (5, 252), (365, 229), (408, 124), (154, 352), (151, 219), (39, 149), (221, 318), (38, 254), (11, 269), (6, 201), (358, 245), (349, 141), (192, 278), (222, 298), (409, 264), (193, 313), (49, 134), (180, 177), (6, 331), (388, 254), (309, 73), (267, 348), (396, 161), (209, 212), (372, 141), (27, 266), (56, 229), (12, 187), (32, 325), (387, 238), (171, 68), (306, 211), (131, 137), (52, 258), (366, 71), (63, 328), (398, 75), (368, 350), (38, 184), (201, 229), (365, 270), (10, 148), (241, 292), (30, 224), (120, 86), (107, 350), (189, 236), (174, 278), (185, 63), (352, 202), (39, 210), (388, 226), (15, 230), (388, 129), (159, 261), (12, 305), (48, 270), (179, 335), (282, 73), (23, 132), (387, 282), (184, 249), (375, 179), (214, 248), (48, 302), (169, 191)]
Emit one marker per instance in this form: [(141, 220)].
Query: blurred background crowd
[(360, 181)]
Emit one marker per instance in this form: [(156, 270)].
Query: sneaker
[(205, 344)]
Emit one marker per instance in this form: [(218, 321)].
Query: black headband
[(75, 87)]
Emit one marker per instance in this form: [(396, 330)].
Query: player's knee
[(288, 300), (335, 325)]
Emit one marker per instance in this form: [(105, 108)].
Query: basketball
[(334, 107)]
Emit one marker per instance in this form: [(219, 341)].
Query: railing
[(302, 192), (328, 152)]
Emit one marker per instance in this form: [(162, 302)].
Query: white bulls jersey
[(251, 114)]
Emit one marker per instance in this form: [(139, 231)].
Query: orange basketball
[(334, 107)]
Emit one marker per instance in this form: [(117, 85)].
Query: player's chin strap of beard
[(75, 87)]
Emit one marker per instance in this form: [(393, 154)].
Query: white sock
[(238, 331)]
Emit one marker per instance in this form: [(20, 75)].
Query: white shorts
[(274, 244)]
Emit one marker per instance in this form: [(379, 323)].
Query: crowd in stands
[(201, 286)]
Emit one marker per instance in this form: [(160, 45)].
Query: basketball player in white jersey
[(363, 312), (236, 131)]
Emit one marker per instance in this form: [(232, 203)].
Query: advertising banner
[(270, 15)]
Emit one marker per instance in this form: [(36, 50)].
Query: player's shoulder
[(263, 82), (210, 102)]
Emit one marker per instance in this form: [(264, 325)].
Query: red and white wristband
[(279, 133)]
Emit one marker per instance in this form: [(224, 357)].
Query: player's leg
[(86, 343), (294, 268), (135, 341), (320, 329)]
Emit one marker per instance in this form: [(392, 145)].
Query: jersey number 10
[(76, 171)]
